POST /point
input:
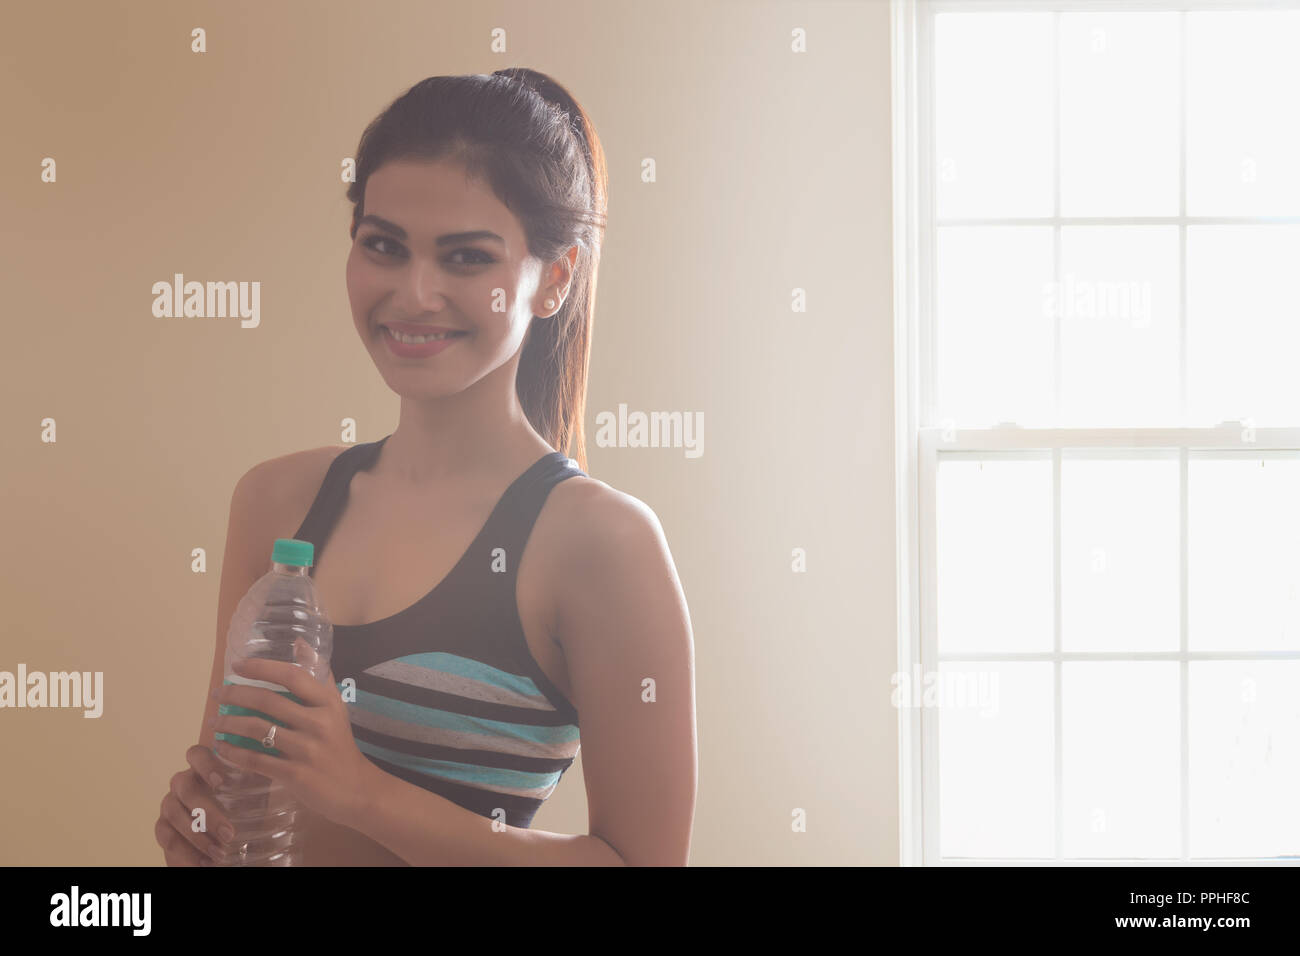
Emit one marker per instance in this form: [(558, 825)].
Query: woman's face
[(417, 266)]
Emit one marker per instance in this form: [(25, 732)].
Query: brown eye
[(371, 244), (482, 257)]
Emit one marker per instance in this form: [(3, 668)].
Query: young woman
[(478, 212)]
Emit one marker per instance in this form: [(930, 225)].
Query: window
[(1097, 234)]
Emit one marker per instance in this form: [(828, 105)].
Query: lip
[(415, 350)]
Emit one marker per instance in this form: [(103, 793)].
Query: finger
[(244, 701), (181, 822), (253, 731), (176, 850), (298, 680), (181, 818), (206, 765), (277, 768), (191, 792)]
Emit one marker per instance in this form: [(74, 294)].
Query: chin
[(412, 386)]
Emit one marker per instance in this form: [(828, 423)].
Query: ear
[(555, 284)]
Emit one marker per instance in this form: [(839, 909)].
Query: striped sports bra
[(449, 695)]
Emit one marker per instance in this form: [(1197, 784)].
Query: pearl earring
[(550, 303)]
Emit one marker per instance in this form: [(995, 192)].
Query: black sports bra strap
[(528, 497), (328, 503)]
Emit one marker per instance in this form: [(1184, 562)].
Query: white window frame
[(920, 441)]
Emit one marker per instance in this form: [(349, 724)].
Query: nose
[(422, 287)]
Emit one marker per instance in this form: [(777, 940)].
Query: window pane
[(995, 349), (1244, 724), (1243, 324), (1243, 141), (1120, 759), (993, 114), (1119, 114), (1118, 303), (995, 790), (1119, 554), (1243, 558), (994, 560)]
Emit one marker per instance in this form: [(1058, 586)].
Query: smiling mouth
[(418, 339)]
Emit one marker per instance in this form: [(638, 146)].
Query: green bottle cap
[(293, 551)]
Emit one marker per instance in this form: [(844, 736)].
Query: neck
[(482, 429)]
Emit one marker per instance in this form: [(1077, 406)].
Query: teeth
[(417, 339)]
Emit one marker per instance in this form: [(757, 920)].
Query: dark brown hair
[(535, 147)]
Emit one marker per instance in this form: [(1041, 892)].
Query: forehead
[(430, 197)]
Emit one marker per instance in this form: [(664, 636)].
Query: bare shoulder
[(605, 551), (282, 488), (589, 518), (270, 501)]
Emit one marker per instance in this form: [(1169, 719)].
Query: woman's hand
[(175, 830), (318, 762)]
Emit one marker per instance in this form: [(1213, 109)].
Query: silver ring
[(269, 740)]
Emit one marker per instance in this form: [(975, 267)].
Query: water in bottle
[(279, 619)]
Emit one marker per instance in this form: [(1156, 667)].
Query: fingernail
[(214, 779), (227, 832)]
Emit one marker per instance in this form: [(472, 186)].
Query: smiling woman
[(479, 206), (511, 164)]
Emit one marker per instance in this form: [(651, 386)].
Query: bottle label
[(248, 743)]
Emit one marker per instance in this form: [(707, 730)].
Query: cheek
[(508, 310), (362, 280), (490, 300)]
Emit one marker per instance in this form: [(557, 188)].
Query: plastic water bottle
[(279, 619)]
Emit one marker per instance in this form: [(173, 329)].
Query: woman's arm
[(623, 623)]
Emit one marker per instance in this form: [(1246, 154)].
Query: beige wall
[(773, 173)]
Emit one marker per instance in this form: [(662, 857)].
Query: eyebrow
[(448, 239)]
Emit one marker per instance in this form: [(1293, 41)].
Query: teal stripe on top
[(464, 772), (446, 720), (476, 670)]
